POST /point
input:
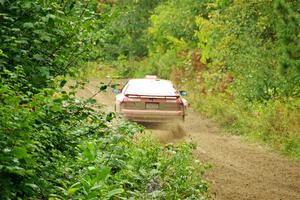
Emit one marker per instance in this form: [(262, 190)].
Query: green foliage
[(42, 36), (274, 123), (237, 56), (124, 34), (95, 70), (171, 34), (38, 132), (288, 34), (242, 39), (56, 146), (169, 30)]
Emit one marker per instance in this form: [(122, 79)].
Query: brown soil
[(240, 170)]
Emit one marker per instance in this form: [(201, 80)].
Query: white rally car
[(150, 100)]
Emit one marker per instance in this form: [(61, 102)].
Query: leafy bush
[(274, 123), (47, 37), (38, 129), (244, 39), (56, 146)]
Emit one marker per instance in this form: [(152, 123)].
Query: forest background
[(239, 60)]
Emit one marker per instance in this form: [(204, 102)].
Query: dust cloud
[(171, 132)]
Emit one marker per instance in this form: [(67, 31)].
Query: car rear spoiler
[(152, 96)]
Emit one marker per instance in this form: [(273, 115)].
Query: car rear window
[(152, 87)]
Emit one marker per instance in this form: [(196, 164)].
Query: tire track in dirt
[(240, 170)]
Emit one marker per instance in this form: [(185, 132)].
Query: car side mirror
[(116, 91), (183, 93)]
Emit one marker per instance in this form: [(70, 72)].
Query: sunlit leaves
[(165, 24), (246, 39), (28, 25)]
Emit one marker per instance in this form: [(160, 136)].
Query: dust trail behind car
[(170, 132)]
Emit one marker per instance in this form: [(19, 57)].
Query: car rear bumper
[(152, 115)]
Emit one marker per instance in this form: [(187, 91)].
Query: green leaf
[(20, 152), (96, 187), (114, 192), (44, 72), (32, 185), (92, 101), (3, 54), (103, 87), (21, 41), (51, 16), (17, 170), (28, 25), (56, 197), (37, 41), (38, 57), (110, 116), (27, 5), (71, 191), (56, 108), (45, 37), (16, 29), (103, 173)]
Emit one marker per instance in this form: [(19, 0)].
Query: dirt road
[(240, 170)]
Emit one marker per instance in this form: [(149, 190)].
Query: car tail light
[(125, 99), (179, 101)]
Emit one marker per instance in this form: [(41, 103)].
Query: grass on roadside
[(273, 123), (96, 70)]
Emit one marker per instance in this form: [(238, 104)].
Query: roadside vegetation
[(56, 146), (238, 59)]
